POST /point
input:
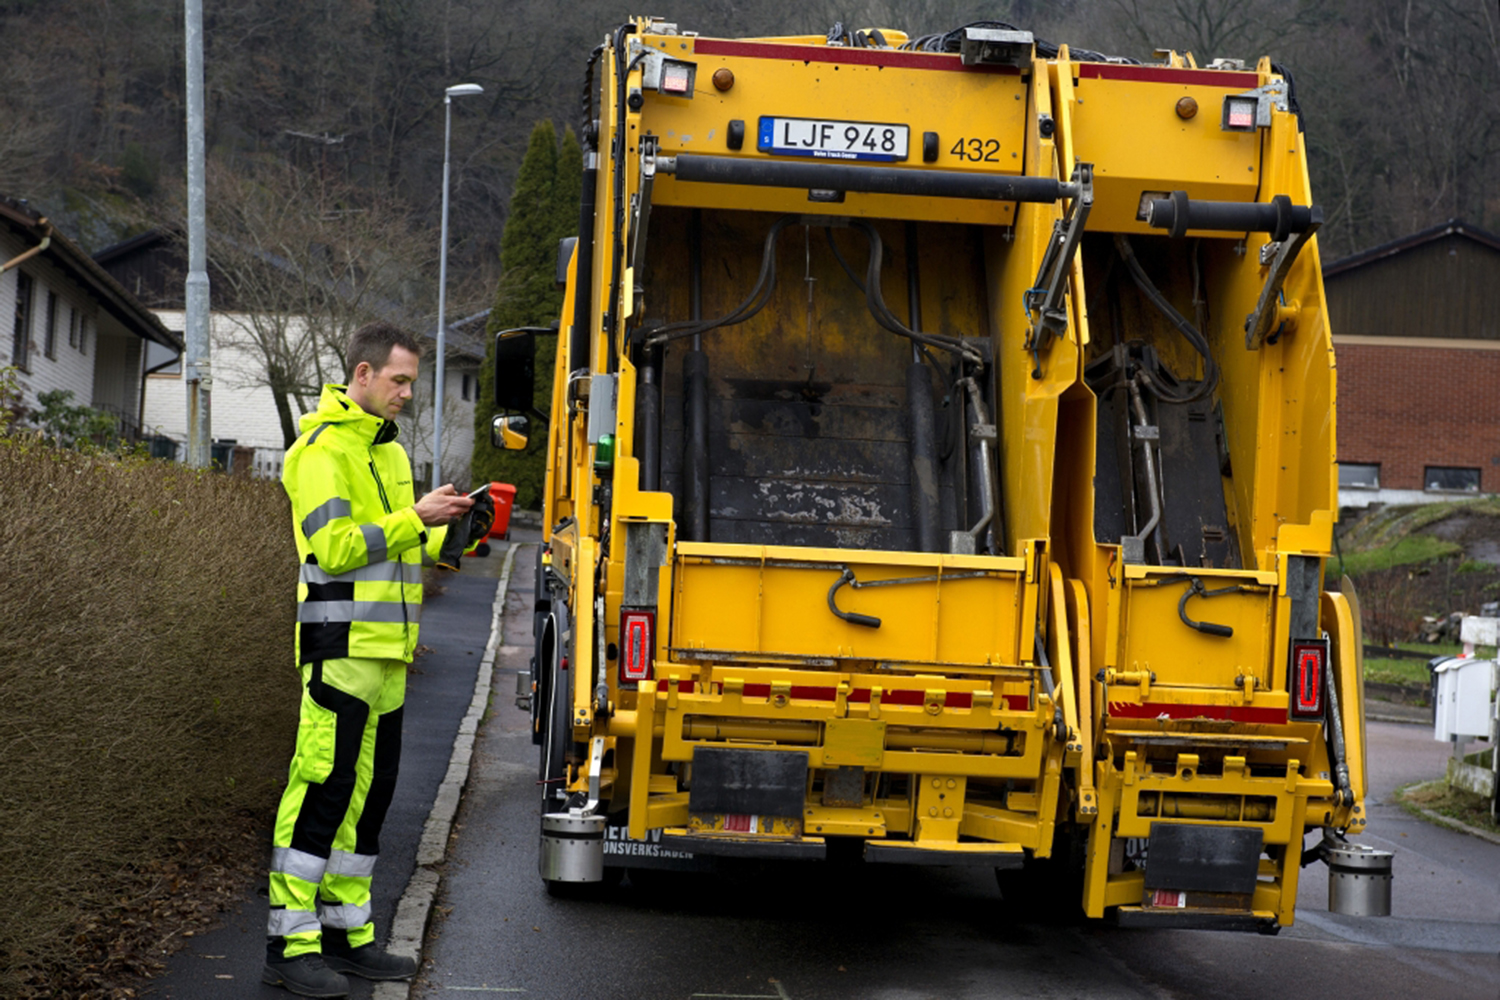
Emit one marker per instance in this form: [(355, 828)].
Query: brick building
[(1416, 326)]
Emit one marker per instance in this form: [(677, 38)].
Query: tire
[(553, 710), (1046, 890)]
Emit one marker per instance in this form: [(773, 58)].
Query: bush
[(150, 699)]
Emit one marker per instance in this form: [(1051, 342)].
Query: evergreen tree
[(526, 296)]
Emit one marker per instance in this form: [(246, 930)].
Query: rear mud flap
[(1190, 858)]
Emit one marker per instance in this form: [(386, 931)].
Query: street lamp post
[(457, 90)]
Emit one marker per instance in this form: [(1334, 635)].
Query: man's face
[(385, 391)]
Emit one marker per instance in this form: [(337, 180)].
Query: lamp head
[(462, 90)]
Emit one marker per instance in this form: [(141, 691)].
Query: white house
[(68, 325), (243, 418)]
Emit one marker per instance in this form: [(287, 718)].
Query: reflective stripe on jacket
[(359, 540)]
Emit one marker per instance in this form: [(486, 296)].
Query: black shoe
[(306, 975), (369, 962)]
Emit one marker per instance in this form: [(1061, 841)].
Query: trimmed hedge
[(150, 700)]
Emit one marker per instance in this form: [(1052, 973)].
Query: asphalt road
[(799, 932)]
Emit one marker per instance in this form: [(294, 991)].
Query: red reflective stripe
[(839, 54), (1233, 713), (738, 822), (1162, 74), (861, 696)]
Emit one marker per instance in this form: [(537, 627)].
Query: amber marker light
[(1186, 108), (723, 78)]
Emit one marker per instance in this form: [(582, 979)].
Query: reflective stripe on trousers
[(345, 863), (345, 916), (298, 864), (284, 922)]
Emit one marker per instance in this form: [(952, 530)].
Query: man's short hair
[(372, 343)]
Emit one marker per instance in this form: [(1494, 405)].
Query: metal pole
[(197, 367), (442, 338)]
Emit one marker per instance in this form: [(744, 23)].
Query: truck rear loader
[(939, 471)]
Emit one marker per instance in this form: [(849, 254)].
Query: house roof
[(466, 335), (1453, 227), (77, 264)]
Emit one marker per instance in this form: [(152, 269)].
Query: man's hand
[(442, 505)]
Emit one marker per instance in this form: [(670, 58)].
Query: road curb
[(1439, 819), (1378, 717), (410, 923)]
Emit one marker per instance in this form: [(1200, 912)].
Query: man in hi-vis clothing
[(360, 540)]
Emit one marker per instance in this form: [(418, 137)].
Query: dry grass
[(149, 701), (1455, 803)]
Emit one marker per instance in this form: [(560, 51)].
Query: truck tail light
[(1306, 677), (1241, 113), (637, 646), (676, 78)]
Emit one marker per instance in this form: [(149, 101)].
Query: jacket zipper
[(386, 503), (384, 500)]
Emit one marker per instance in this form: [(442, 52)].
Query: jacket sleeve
[(322, 509), (435, 537)]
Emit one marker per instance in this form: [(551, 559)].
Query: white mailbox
[(1463, 699)]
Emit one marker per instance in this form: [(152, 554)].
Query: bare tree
[(307, 260)]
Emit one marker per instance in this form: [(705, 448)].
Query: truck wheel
[(554, 713), (1049, 890)]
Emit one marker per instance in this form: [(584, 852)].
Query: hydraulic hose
[(1189, 332), (765, 283), (882, 313)]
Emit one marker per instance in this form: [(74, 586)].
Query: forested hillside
[(1402, 101)]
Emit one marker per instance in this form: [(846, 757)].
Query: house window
[(73, 323), (1359, 476), (468, 387), (1449, 479), (49, 340), (83, 336), (162, 360), (20, 348)]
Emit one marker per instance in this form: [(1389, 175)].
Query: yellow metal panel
[(640, 759), (832, 822), (581, 656), (1125, 122), (667, 810), (928, 92), (1156, 639), (854, 742), (1339, 619), (991, 823), (774, 600)]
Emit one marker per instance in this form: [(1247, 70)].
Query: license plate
[(827, 139)]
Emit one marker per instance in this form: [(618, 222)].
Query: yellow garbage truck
[(1197, 491), (873, 471)]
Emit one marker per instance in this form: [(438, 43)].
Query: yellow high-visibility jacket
[(359, 540)]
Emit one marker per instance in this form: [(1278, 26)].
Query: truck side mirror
[(509, 432), (515, 377)]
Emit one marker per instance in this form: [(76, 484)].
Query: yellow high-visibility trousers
[(343, 775)]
